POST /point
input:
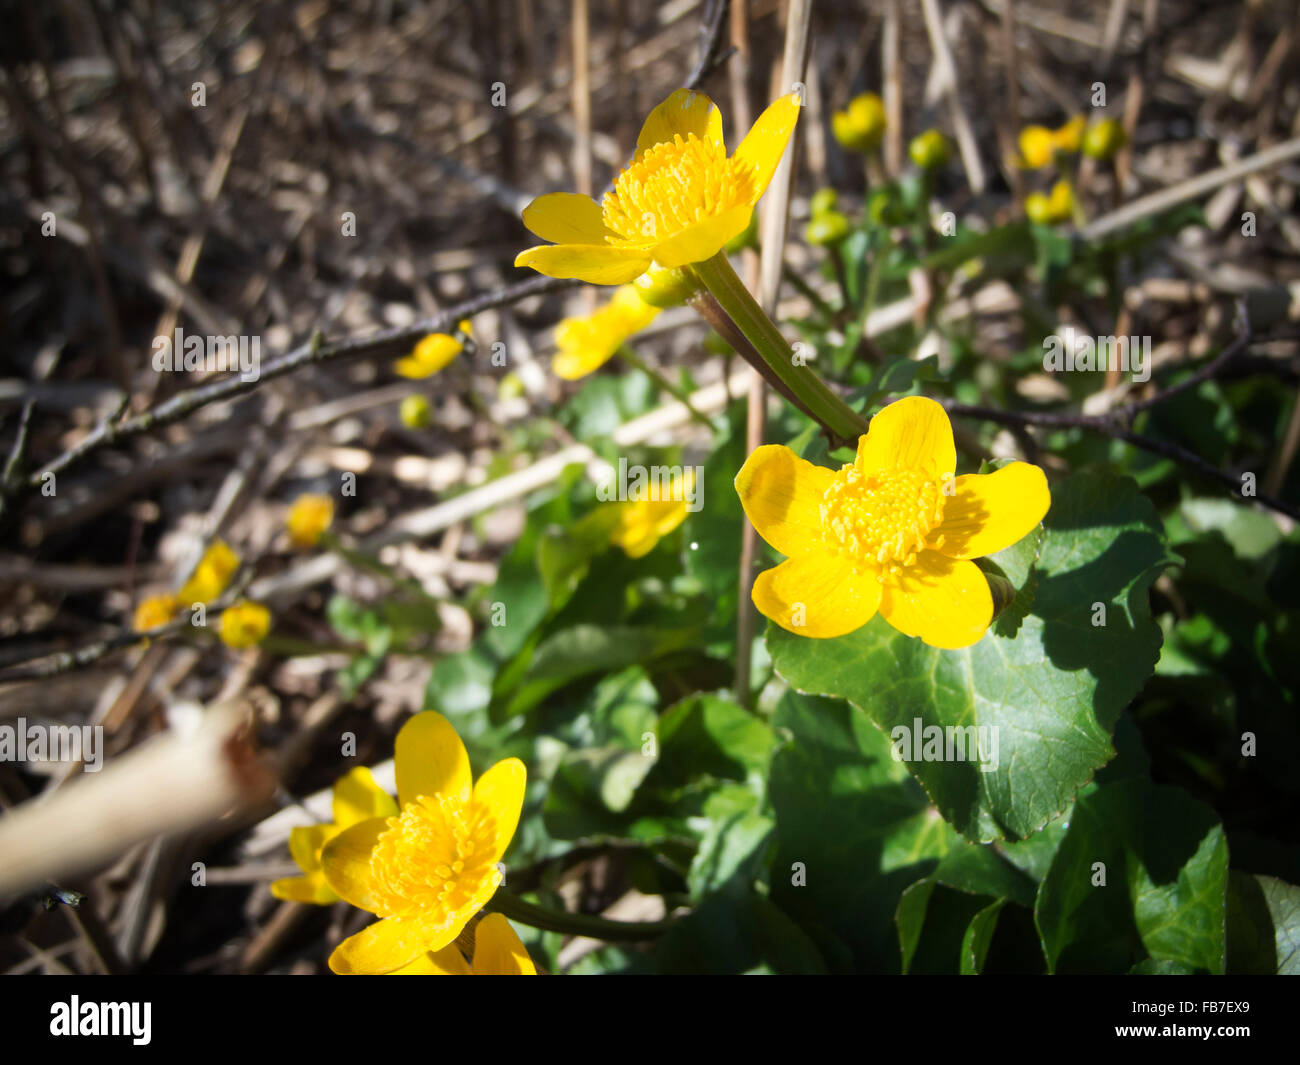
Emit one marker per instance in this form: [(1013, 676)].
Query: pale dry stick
[(1277, 475), (213, 183), (1185, 191), (1110, 33), (775, 219), (893, 79), (967, 147), (581, 31), (169, 785), (1133, 108), (1008, 120)]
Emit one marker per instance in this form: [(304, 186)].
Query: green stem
[(577, 924), (842, 424), (637, 363)]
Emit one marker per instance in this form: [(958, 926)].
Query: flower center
[(882, 519), (434, 858), (673, 185)]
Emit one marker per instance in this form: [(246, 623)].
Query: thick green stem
[(577, 924), (842, 424)]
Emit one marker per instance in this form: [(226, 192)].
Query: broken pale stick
[(169, 785)]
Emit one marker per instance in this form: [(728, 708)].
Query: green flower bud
[(661, 287), (929, 150), (1104, 139), (823, 200), (826, 229), (415, 412)]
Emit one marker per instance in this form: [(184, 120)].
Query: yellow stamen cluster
[(673, 185), (880, 520), (434, 859)]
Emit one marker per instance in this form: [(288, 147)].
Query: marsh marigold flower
[(497, 952), (894, 531), (679, 201), (1070, 135), (1048, 209), (586, 343), (431, 354), (643, 522), (428, 869), (244, 624), (1037, 147), (860, 127), (210, 576), (154, 611), (308, 518), (357, 798)]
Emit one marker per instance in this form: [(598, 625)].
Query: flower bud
[(929, 150)]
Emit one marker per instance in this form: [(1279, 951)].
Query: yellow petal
[(988, 512), (782, 496), (703, 239), (597, 264), (311, 889), (765, 143), (446, 962), (358, 798), (412, 369), (684, 112), (305, 843), (498, 951), (501, 790), (911, 433), (345, 862), (431, 760), (566, 218), (816, 595), (944, 601), (379, 948)]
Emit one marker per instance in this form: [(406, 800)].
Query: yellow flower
[(154, 611), (860, 126), (1069, 136), (587, 343), (210, 576), (431, 354), (426, 871), (497, 952), (357, 798), (893, 531), (1061, 201), (244, 624), (679, 201), (309, 516), (643, 522), (1037, 147)]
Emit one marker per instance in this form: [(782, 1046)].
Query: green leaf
[(853, 831), (979, 934), (578, 652), (734, 846), (1263, 926), (1164, 861), (1048, 697), (729, 935)]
